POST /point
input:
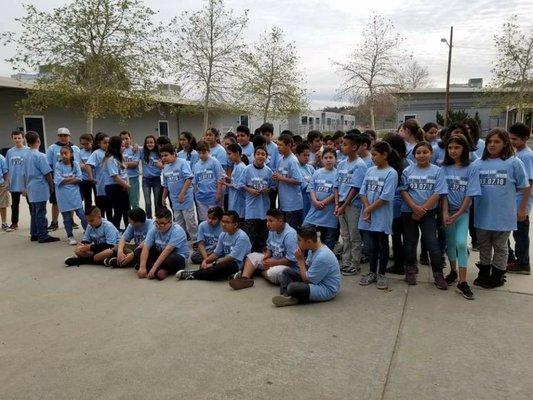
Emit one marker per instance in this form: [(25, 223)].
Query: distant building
[(324, 121)]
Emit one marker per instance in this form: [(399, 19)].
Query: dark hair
[(327, 138), (354, 131), (365, 139), (233, 214), (163, 213), (216, 212), (98, 139), (312, 135), (396, 143), (214, 131), (461, 140), (261, 148), (286, 139), (429, 126), (115, 149), (235, 148), (308, 233), (202, 145), (475, 132), (329, 151), (276, 213), (353, 138), (231, 135), (459, 129), (162, 140), (371, 133), (266, 127), (31, 137), (301, 148), (297, 140), (146, 152), (258, 141), (137, 215), (338, 135), (92, 210), (286, 132), (521, 130), (423, 143), (507, 151), (125, 133), (67, 147), (393, 158), (414, 129), (16, 133), (244, 129), (192, 143), (87, 136), (167, 148)]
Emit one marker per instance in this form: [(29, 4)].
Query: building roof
[(441, 90), (8, 82)]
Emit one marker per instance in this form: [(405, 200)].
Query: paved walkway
[(96, 333)]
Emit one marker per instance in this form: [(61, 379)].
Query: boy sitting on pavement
[(208, 233), (279, 254), (318, 278), (98, 242)]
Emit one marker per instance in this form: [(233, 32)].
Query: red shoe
[(13, 226)]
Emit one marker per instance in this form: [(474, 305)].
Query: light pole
[(447, 100)]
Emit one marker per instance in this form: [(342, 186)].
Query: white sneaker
[(72, 241)]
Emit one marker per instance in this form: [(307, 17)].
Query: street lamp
[(447, 100)]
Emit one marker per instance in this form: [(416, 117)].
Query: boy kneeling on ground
[(164, 250), (227, 258), (136, 230), (318, 278), (279, 254), (98, 242)]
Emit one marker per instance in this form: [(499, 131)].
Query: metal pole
[(447, 101)]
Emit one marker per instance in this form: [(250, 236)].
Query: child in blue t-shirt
[(187, 149), (501, 175), (15, 167), (317, 279), (98, 241), (215, 149), (67, 178), (462, 180), (132, 159), (87, 187), (96, 172), (207, 187), (421, 186), (232, 247), (519, 258), (236, 195), (289, 179), (208, 234), (377, 196), (278, 255), (177, 185), (321, 191), (307, 171), (165, 248), (4, 193), (256, 180), (151, 182)]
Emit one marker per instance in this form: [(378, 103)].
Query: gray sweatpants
[(489, 241), (187, 220), (351, 238)]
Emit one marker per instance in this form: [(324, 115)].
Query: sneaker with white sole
[(284, 301), (6, 228), (72, 241), (349, 271), (368, 279), (184, 275), (382, 282)]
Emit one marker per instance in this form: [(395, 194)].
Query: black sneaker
[(363, 260), (451, 278), (424, 261), (184, 275), (49, 239), (72, 262), (54, 226), (465, 291), (33, 238)]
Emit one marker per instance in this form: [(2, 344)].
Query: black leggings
[(87, 189), (15, 204), (291, 284), (257, 231), (120, 202), (217, 273), (172, 264), (397, 241), (103, 203), (378, 251)]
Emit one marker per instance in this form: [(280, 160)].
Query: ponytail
[(393, 158)]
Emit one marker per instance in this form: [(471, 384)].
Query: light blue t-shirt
[(322, 184), (237, 246), (273, 156), (15, 165), (106, 233), (257, 178), (368, 161), (480, 145), (495, 209), (3, 169), (461, 182), (113, 168), (68, 195), (290, 196), (84, 157), (96, 161), (324, 274), (236, 195), (422, 183), (150, 168), (138, 233), (379, 184), (248, 151), (174, 177), (209, 235), (283, 244), (192, 157), (206, 176), (219, 152), (175, 237), (132, 156), (439, 153), (350, 174), (53, 153), (307, 173), (36, 167), (526, 156)]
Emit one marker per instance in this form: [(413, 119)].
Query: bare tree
[(412, 75), (271, 82), (205, 53), (370, 68)]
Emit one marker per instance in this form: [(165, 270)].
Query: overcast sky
[(324, 30)]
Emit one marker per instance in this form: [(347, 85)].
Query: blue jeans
[(428, 228), (38, 223), (378, 251), (152, 184), (67, 220)]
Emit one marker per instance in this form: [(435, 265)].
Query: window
[(407, 116), (317, 120), (36, 123), (163, 128), (328, 121), (243, 120), (304, 120), (311, 119)]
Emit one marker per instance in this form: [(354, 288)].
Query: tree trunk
[(206, 112), (372, 117), (89, 122)]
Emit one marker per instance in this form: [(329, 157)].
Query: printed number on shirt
[(422, 183), (493, 177), (456, 184)]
